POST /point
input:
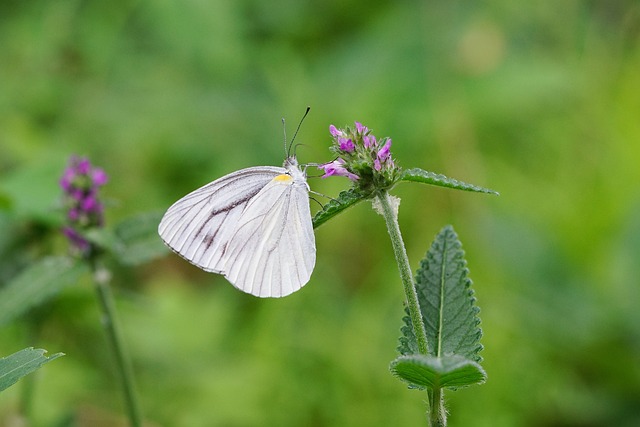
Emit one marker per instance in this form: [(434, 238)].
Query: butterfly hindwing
[(272, 252)]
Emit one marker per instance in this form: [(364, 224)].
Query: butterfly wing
[(199, 225), (272, 252)]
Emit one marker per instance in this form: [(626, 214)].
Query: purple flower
[(362, 158), (385, 151), (99, 177), (334, 131), (369, 141), (73, 214), (346, 145), (336, 168), (80, 183), (67, 179), (76, 239), (76, 193), (83, 166), (361, 129), (88, 204)]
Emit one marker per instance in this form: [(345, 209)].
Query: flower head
[(80, 183), (362, 158)]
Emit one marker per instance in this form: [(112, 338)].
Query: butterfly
[(253, 226)]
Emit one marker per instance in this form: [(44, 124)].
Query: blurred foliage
[(21, 363), (537, 101)]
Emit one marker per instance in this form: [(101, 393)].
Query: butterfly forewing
[(199, 225), (254, 226)]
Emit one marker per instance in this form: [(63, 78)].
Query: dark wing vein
[(198, 226)]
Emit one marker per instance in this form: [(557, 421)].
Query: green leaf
[(422, 371), (102, 238), (134, 241), (137, 239), (345, 200), (408, 342), (426, 177), (33, 188), (446, 299), (19, 364), (38, 283)]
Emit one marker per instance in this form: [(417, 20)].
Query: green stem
[(390, 214), (437, 412), (112, 328)]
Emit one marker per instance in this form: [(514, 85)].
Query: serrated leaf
[(38, 283), (426, 177), (446, 299), (345, 200), (21, 363), (452, 371), (408, 342), (137, 239)]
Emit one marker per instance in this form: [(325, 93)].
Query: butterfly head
[(294, 171), (290, 162)]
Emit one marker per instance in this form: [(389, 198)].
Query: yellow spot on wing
[(283, 178)]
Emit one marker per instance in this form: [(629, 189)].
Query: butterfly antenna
[(284, 131), (297, 129)]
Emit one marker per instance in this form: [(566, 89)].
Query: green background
[(540, 102)]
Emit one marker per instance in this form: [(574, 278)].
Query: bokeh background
[(540, 101)]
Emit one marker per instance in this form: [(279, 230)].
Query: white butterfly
[(253, 226)]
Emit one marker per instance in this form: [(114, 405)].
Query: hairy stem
[(390, 214), (437, 412)]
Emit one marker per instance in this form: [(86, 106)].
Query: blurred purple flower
[(67, 177), (89, 204), (80, 183), (76, 239), (83, 166), (99, 177), (73, 214)]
